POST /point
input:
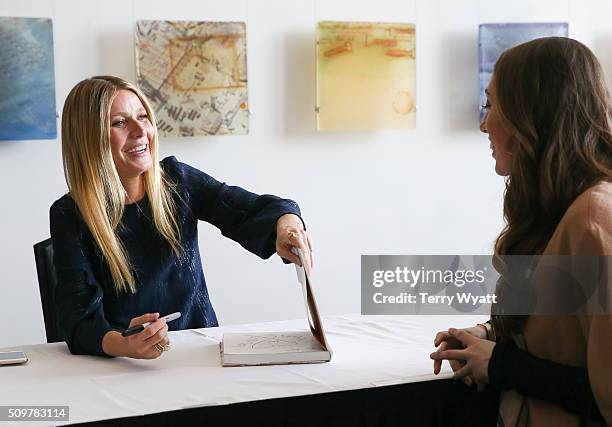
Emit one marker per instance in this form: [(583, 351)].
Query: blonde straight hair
[(93, 180)]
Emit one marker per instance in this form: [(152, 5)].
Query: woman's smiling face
[(131, 133)]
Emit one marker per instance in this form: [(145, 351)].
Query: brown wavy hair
[(552, 95)]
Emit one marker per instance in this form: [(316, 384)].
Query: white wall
[(427, 191)]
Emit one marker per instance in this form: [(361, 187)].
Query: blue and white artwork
[(494, 39), (27, 82)]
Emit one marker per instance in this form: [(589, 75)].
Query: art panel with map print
[(195, 76)]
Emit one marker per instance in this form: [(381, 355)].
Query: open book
[(273, 348)]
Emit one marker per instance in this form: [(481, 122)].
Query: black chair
[(47, 281)]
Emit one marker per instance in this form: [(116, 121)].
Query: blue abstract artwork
[(27, 82), (494, 39)]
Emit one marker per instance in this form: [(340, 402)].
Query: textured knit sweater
[(87, 304)]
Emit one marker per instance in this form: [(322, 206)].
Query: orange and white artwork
[(366, 76)]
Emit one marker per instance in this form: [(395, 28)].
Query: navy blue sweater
[(87, 304)]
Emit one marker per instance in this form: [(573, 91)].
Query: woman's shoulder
[(186, 175), (587, 223), (178, 170), (64, 216), (593, 208), (600, 203), (65, 205), (170, 165)]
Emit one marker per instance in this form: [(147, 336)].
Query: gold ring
[(159, 348), (292, 234)]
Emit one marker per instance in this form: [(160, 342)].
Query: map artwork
[(194, 75)]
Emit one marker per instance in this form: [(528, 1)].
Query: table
[(380, 367)]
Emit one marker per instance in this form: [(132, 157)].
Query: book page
[(270, 343)]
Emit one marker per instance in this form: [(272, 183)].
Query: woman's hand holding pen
[(148, 344), (290, 233)]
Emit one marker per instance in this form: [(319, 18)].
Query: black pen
[(139, 328)]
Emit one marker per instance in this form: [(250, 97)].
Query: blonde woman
[(125, 236), (549, 122)]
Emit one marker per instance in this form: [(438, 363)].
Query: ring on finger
[(159, 348), (292, 234)]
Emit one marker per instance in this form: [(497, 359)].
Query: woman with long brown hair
[(549, 120), (125, 237)]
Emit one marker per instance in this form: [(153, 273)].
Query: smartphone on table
[(12, 357)]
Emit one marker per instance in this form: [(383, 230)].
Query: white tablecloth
[(369, 351)]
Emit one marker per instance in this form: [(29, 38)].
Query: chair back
[(47, 281)]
